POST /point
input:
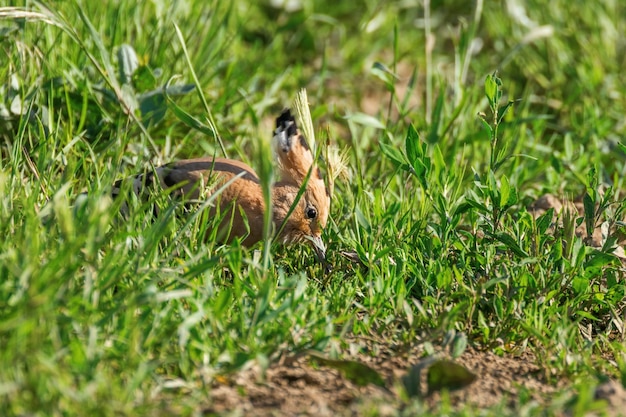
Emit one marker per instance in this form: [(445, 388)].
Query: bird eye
[(311, 213)]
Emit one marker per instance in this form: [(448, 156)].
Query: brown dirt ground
[(296, 387)]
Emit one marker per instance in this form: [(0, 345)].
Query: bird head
[(299, 171)]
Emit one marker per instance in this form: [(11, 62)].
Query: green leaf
[(492, 185), (128, 63), (598, 259), (144, 79), (590, 209), (510, 243), (153, 104), (357, 372), (491, 89), (421, 167), (502, 110), (505, 189), (592, 181), (416, 154), (586, 315), (486, 125), (439, 163), (474, 203), (544, 221), (201, 267), (580, 285), (498, 308), (187, 118), (361, 254), (362, 220), (153, 108), (394, 155), (412, 144), (445, 374), (513, 198), (577, 252), (385, 74), (380, 254)]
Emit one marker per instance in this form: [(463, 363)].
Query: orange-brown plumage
[(192, 178)]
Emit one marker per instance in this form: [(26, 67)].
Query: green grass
[(99, 313)]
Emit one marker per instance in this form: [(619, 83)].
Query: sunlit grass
[(101, 314)]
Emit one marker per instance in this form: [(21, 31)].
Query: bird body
[(296, 220)]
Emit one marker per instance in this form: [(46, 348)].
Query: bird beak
[(320, 252), (319, 248)]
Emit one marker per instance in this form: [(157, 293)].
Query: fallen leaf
[(445, 374), (356, 372)]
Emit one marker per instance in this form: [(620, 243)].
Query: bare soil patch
[(298, 387)]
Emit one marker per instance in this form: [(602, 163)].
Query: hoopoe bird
[(192, 179)]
